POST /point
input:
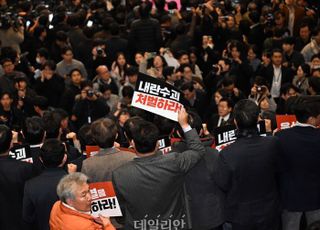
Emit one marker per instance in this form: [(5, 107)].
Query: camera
[(216, 68), (9, 19), (269, 19), (100, 51), (90, 93), (261, 89)]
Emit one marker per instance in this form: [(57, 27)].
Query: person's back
[(99, 168), (206, 199), (300, 149), (151, 186), (40, 192), (248, 173), (145, 33), (252, 161), (13, 175), (165, 199), (299, 167)]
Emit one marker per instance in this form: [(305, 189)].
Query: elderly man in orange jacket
[(73, 210)]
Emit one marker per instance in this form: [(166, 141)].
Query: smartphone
[(188, 9), (50, 17), (151, 55), (89, 23), (50, 27), (28, 23), (224, 17)]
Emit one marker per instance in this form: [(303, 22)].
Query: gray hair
[(68, 184)]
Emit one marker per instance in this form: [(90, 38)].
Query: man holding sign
[(150, 187), (73, 210)]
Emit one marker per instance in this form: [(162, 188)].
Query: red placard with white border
[(104, 200), (285, 121)]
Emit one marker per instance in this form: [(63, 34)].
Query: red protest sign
[(92, 150), (285, 121)]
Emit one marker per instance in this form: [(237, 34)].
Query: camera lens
[(99, 51)]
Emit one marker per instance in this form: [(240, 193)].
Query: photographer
[(214, 79), (11, 32), (23, 97), (88, 107), (260, 92)]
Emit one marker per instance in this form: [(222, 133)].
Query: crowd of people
[(67, 78)]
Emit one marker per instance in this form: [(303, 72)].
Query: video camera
[(9, 19)]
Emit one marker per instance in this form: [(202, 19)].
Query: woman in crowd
[(157, 65), (194, 62), (118, 69), (301, 80)]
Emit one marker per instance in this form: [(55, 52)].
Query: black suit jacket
[(39, 196), (13, 175), (151, 187), (205, 197), (200, 104), (248, 170), (214, 121), (300, 171), (257, 36), (268, 72)]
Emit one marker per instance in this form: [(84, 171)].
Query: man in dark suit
[(13, 175), (224, 116), (248, 174), (207, 200), (150, 187), (34, 134), (195, 99), (276, 75), (100, 167), (292, 58), (300, 172), (40, 192)]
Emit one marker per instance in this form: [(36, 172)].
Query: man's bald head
[(103, 72)]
